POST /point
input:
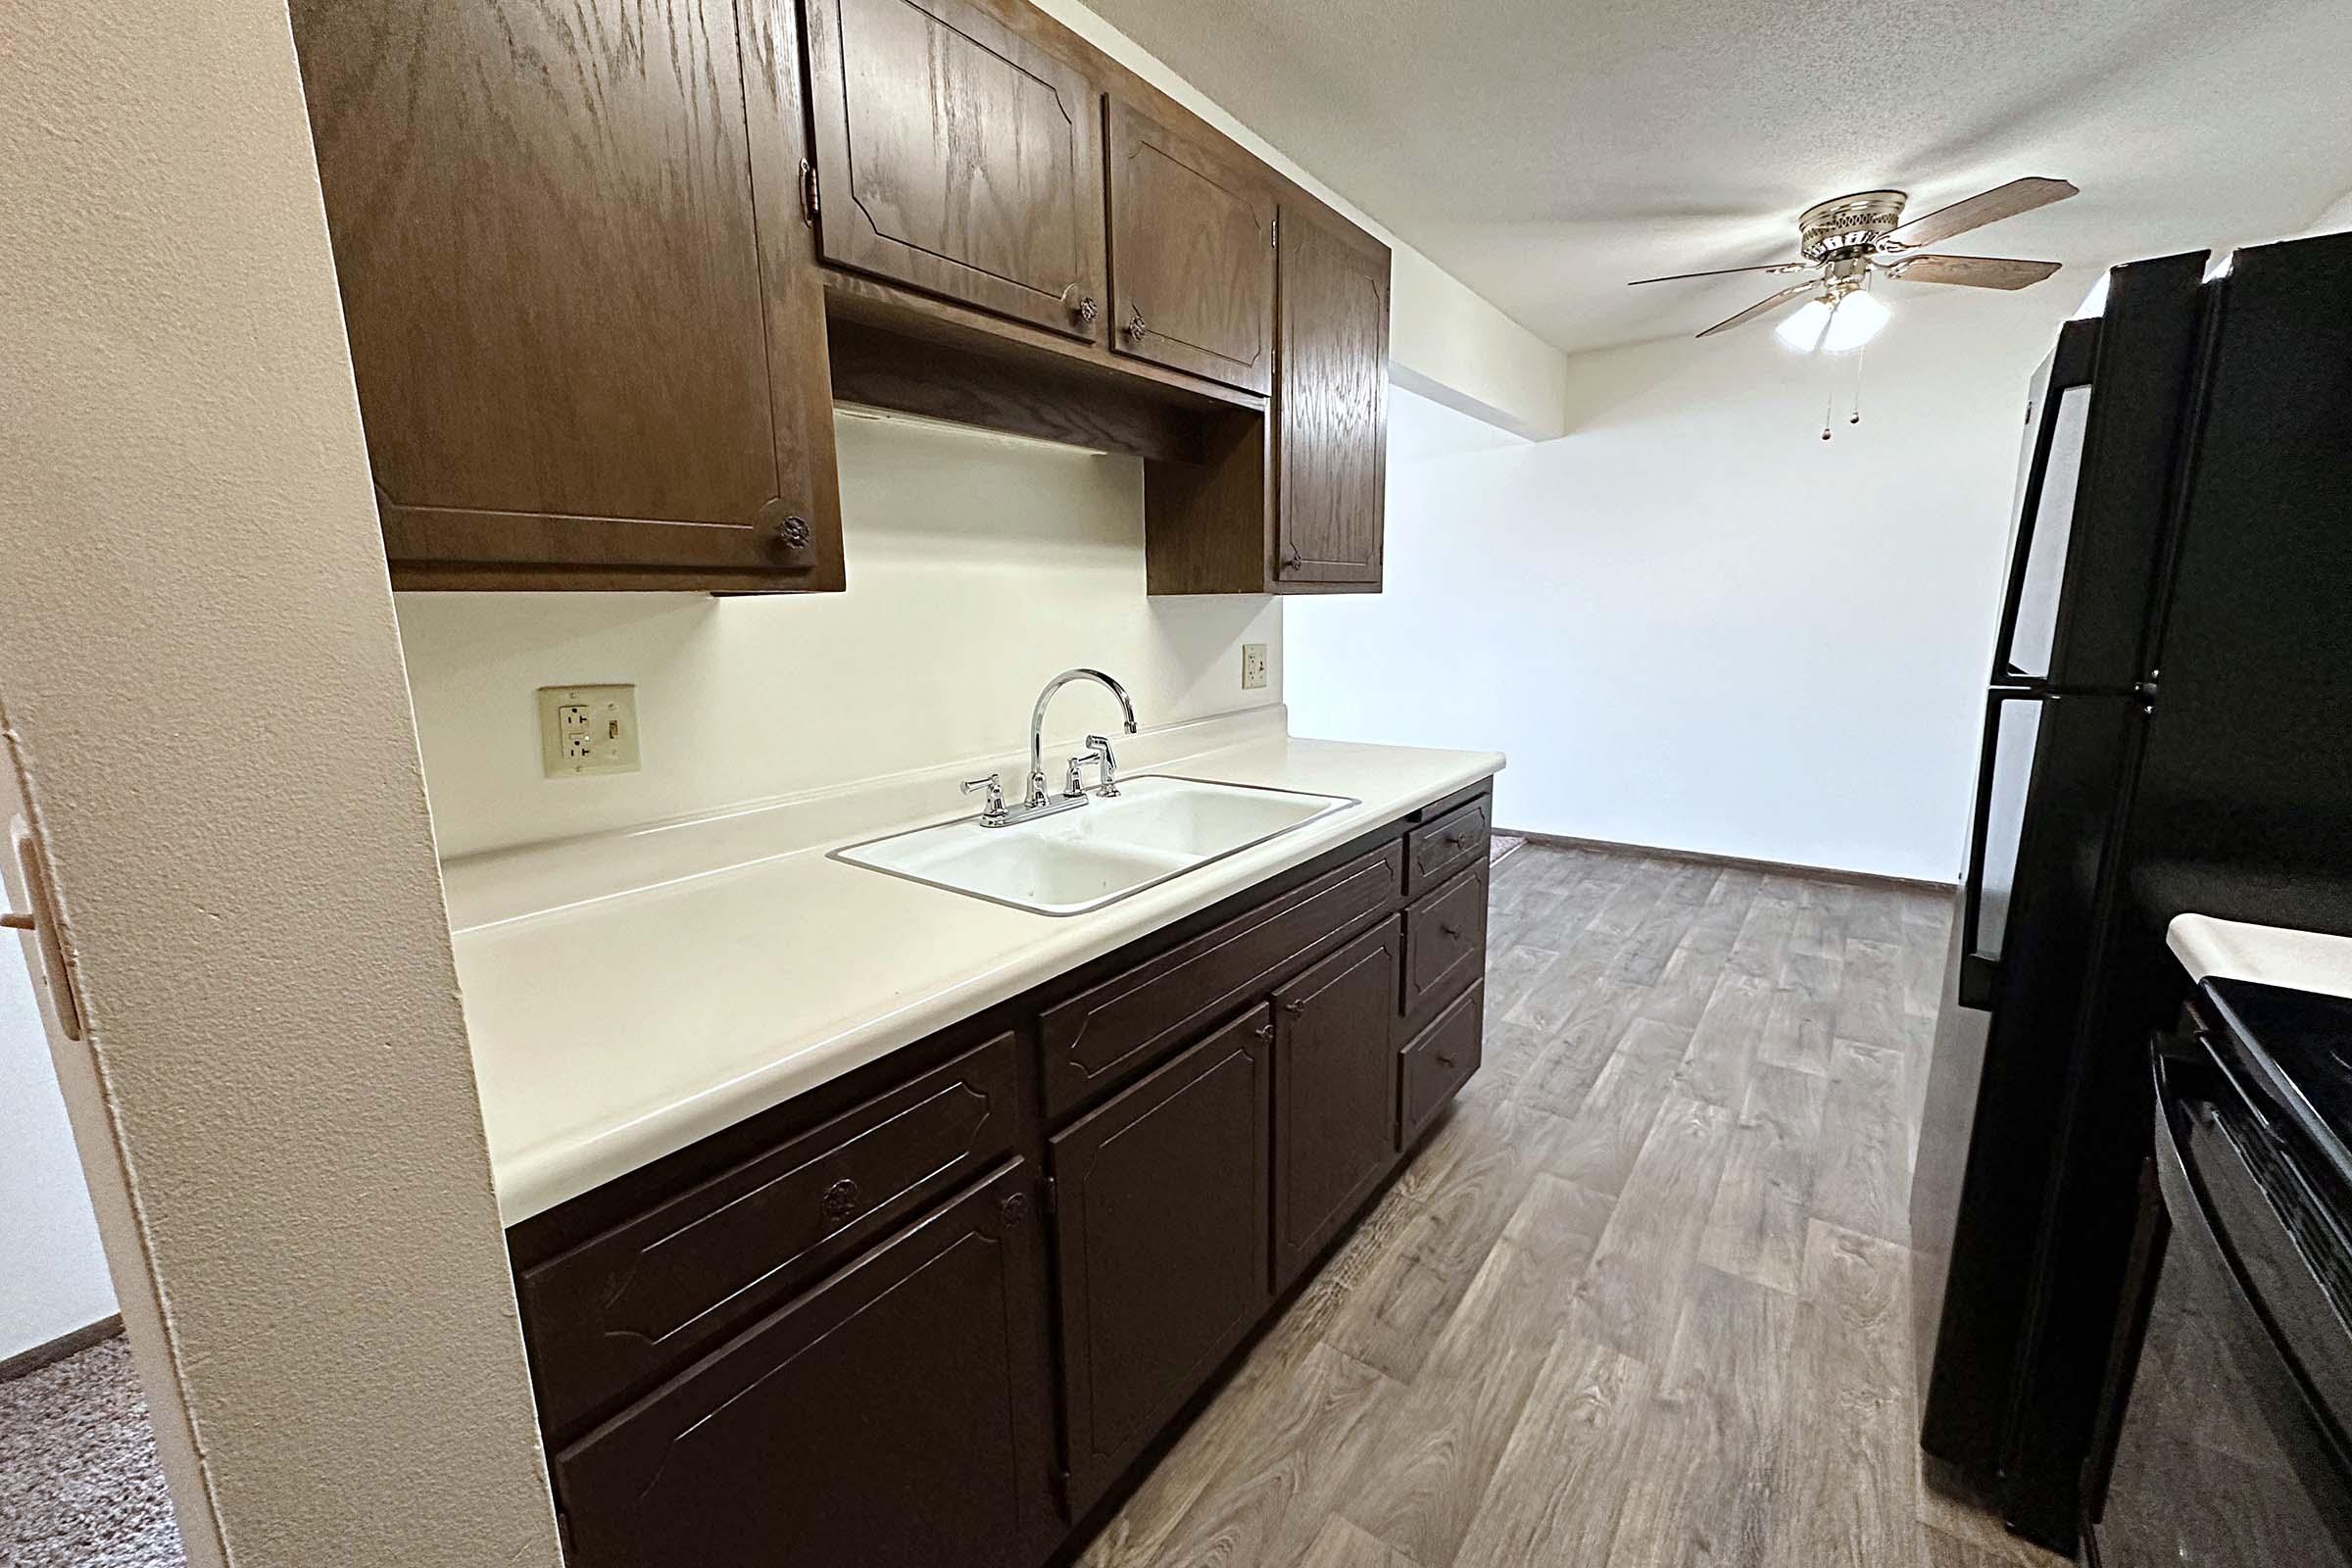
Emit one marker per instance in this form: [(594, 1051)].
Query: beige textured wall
[(979, 565), (201, 694)]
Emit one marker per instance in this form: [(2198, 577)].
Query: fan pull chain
[(1857, 415)]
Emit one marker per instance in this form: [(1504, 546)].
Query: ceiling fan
[(1844, 242)]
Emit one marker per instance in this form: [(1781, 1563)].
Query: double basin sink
[(1156, 827)]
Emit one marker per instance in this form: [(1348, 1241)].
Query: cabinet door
[(580, 361), (957, 156), (1191, 254), (898, 1416), (1335, 1094), (1332, 396), (1161, 1204)]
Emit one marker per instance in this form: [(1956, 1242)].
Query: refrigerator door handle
[(1980, 971)]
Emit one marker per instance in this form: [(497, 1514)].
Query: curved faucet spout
[(1037, 722)]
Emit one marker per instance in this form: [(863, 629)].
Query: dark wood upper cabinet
[(1161, 1206), (1192, 254), (604, 267), (1331, 406), (896, 1417), (956, 155), (586, 357), (1335, 1093)]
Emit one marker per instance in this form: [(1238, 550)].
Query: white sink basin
[(1154, 828)]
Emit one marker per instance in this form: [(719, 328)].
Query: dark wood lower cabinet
[(895, 1417), (1161, 1217), (926, 1373), (1335, 1080)]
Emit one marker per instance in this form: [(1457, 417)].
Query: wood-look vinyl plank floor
[(1641, 1297)]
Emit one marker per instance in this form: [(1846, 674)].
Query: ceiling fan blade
[(1986, 207), (1723, 271), (1972, 272), (1763, 306)]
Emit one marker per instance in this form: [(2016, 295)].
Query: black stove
[(2290, 1054)]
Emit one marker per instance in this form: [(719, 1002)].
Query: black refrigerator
[(2168, 727)]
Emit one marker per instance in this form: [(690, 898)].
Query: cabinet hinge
[(1052, 1196), (1274, 237), (811, 206), (564, 1531), (1061, 1493)]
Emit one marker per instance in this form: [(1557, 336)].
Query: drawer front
[(1438, 1062), (615, 1310), (1435, 851), (1108, 1032), (1444, 941)]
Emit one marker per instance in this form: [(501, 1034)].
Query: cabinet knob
[(785, 530), (1134, 328), (1265, 1031), (1082, 305), (1014, 1208), (1444, 1060), (1450, 929), (1294, 1005), (1290, 558), (840, 1201)]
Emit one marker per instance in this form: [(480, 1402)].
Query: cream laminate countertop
[(614, 1025), (2271, 955)]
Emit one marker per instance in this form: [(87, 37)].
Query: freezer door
[(2043, 509)]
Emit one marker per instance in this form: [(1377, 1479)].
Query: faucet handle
[(994, 815)]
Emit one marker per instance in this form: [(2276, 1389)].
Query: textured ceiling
[(1545, 153)]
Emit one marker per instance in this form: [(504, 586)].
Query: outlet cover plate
[(587, 729), (1253, 667)]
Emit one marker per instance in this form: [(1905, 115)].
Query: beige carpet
[(80, 1487)]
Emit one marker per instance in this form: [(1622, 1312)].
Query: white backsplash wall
[(979, 567)]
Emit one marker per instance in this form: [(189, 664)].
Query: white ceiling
[(1547, 152)]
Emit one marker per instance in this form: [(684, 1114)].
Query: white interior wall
[(55, 1280), (1691, 622), (201, 703), (979, 567)]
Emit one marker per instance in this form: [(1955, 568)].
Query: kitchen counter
[(629, 994), (2270, 955)]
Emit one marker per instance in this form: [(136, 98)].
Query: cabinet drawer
[(1106, 1034), (617, 1309), (898, 1416), (1438, 1062), (1435, 851), (1444, 941)]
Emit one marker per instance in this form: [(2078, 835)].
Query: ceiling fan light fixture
[(1858, 318), (1803, 329)]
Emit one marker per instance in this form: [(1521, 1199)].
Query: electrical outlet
[(1253, 667), (587, 729)]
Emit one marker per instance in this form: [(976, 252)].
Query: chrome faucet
[(1037, 732), (1037, 802)]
